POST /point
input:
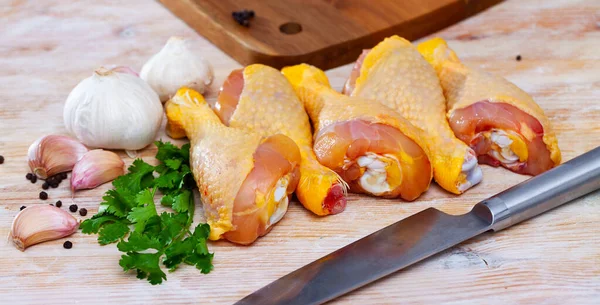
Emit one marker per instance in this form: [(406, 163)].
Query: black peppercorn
[(22, 208), (1, 159), (68, 245), (83, 212), (54, 185), (45, 185), (243, 17), (34, 179), (29, 176), (73, 208), (50, 204), (63, 176), (247, 14), (59, 204), (43, 195), (518, 57)]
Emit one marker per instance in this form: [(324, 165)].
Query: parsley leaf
[(145, 209), (177, 252), (116, 202), (131, 205), (192, 250), (182, 202), (153, 226), (171, 225), (138, 178), (167, 151), (146, 264), (120, 200), (112, 232), (201, 258), (168, 180), (93, 224), (202, 262), (167, 200), (139, 242), (173, 163)]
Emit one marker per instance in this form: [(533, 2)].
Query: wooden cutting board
[(324, 33), (47, 47)]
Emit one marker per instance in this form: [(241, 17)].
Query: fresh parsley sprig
[(155, 238)]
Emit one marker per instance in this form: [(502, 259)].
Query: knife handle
[(544, 192)]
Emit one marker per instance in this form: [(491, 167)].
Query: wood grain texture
[(49, 46), (333, 32)]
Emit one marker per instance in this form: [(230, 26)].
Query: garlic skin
[(95, 168), (176, 66), (124, 69), (40, 223), (52, 154), (113, 110)]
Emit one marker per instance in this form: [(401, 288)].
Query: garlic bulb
[(96, 167), (52, 154), (176, 66), (111, 109), (40, 223)]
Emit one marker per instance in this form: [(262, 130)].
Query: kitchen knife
[(427, 233)]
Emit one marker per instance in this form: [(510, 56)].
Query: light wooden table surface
[(47, 47)]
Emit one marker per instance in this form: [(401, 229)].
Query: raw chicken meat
[(260, 98), (497, 119), (245, 179), (395, 74), (371, 146)]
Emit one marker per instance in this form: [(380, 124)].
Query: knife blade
[(426, 233)]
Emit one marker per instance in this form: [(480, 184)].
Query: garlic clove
[(52, 154), (95, 168), (41, 223), (176, 65)]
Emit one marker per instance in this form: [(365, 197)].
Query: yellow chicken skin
[(369, 145), (244, 179), (395, 74), (501, 122), (260, 98)]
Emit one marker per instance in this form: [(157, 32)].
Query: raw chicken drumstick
[(498, 120), (244, 179), (395, 74), (260, 98), (371, 146)]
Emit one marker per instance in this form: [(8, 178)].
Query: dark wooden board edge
[(332, 56)]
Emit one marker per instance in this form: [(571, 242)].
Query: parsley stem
[(191, 207), (188, 224)]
